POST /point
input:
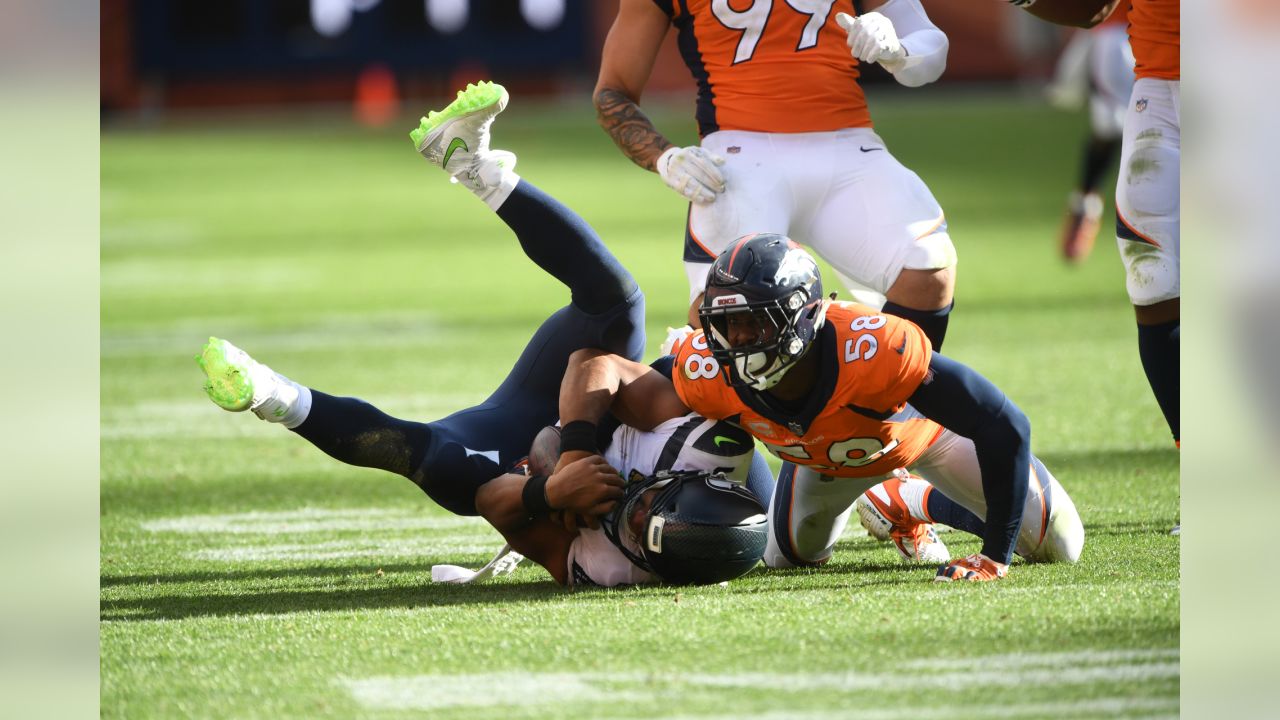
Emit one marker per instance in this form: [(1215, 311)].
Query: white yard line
[(312, 520), (434, 692)]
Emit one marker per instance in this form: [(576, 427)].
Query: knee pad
[(1147, 219)]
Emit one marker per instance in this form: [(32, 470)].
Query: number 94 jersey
[(857, 423)]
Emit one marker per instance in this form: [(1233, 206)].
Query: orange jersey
[(857, 424), (767, 67), (1154, 34)]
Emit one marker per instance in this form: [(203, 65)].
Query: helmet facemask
[(784, 330), (699, 527)]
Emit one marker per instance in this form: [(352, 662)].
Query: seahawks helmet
[(700, 527), (769, 281)]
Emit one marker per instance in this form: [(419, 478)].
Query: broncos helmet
[(773, 280), (700, 527)]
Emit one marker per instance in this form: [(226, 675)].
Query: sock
[(492, 178), (932, 322), (1158, 348), (278, 399), (943, 509), (357, 433), (564, 245), (1098, 154)]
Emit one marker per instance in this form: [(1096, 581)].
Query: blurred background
[(160, 57)]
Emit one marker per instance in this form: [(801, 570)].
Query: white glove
[(693, 172), (872, 38), (674, 335)]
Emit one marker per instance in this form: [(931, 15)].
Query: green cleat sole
[(475, 97), (227, 383)]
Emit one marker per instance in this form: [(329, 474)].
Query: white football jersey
[(691, 442)]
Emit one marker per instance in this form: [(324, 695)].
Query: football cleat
[(885, 515), (1080, 229), (454, 136), (977, 567), (236, 382)]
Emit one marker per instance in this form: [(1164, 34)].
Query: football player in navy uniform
[(453, 458)]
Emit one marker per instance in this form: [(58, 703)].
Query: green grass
[(245, 574)]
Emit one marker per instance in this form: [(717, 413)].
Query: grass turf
[(245, 574)]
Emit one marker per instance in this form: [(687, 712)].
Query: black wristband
[(579, 435), (534, 496)]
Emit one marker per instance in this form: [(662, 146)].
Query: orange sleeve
[(699, 380)]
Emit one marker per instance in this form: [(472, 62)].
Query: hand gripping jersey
[(857, 422), (769, 65), (1154, 33), (684, 443)]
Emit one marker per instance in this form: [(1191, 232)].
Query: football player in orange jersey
[(1148, 203), (848, 396), (787, 143), (1148, 208)]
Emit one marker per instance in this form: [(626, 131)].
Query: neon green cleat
[(452, 137), (227, 370)]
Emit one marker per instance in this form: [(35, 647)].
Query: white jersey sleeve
[(690, 442)]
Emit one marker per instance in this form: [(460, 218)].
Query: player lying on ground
[(848, 396), (453, 458)]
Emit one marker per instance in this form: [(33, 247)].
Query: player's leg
[(756, 200), (1051, 529), (346, 429), (878, 224), (1110, 73), (807, 516), (607, 308), (553, 236), (1148, 233)]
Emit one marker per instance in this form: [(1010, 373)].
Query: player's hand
[(872, 38), (693, 172), (974, 567), (588, 487)]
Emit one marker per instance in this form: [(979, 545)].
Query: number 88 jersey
[(857, 423)]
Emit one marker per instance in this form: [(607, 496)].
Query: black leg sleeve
[(358, 433)]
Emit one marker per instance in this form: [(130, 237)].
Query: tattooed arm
[(625, 64)]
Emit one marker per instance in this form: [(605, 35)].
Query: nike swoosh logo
[(454, 144), (720, 439), (902, 349), (870, 149)]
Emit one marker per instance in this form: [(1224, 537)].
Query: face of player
[(640, 513), (743, 329)]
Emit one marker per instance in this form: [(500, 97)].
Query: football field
[(245, 574)]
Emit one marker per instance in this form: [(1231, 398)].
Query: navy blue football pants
[(451, 458)]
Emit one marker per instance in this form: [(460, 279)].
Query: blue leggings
[(452, 457)]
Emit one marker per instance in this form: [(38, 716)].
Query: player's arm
[(538, 538), (597, 382), (1076, 13), (961, 400), (625, 64), (901, 37)]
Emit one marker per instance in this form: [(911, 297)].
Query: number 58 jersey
[(857, 422)]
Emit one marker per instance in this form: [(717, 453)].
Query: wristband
[(579, 435), (534, 496)]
